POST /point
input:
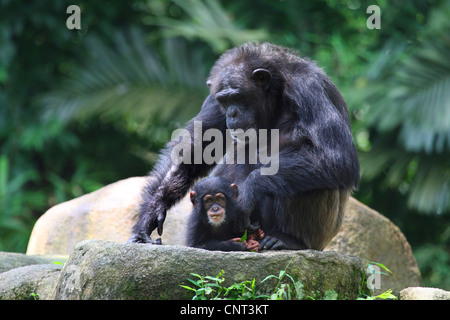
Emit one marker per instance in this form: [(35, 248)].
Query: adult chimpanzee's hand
[(272, 243), (154, 220)]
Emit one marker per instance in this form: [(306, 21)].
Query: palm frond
[(418, 99), (430, 191), (427, 177), (208, 22), (131, 80)]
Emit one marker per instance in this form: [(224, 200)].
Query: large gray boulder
[(369, 235), (100, 269), (107, 214)]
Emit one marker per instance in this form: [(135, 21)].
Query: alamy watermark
[(74, 20), (374, 20), (374, 278), (241, 147)]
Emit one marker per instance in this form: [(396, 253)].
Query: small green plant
[(283, 290), (35, 296), (211, 288), (387, 295)]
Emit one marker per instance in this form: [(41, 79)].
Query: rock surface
[(12, 260), (105, 270), (34, 282), (420, 293), (109, 214), (368, 235)]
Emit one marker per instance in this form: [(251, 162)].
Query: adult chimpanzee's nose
[(215, 208)]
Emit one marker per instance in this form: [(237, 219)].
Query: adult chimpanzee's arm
[(168, 182), (325, 161)]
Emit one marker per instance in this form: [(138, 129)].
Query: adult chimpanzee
[(264, 86), (216, 223)]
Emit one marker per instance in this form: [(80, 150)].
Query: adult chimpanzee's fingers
[(140, 237), (279, 245), (272, 243), (267, 242), (160, 221), (160, 228), (133, 239)]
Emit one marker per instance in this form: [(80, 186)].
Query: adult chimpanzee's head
[(257, 83), (214, 198), (245, 81)]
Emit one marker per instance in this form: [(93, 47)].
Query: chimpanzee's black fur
[(264, 86)]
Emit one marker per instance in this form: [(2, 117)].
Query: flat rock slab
[(12, 260), (99, 269), (33, 282), (420, 293)]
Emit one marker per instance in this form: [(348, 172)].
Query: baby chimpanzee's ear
[(193, 196), (235, 190)]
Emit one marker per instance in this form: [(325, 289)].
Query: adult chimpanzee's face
[(240, 92)]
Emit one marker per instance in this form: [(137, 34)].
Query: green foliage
[(364, 294), (434, 263), (387, 295), (282, 291), (142, 91), (16, 220), (35, 296), (46, 161), (419, 161), (206, 21), (211, 288)]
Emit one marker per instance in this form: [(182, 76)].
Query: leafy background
[(80, 109)]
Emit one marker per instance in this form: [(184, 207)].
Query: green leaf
[(196, 283), (269, 277), (188, 288), (244, 237), (214, 279), (381, 266)]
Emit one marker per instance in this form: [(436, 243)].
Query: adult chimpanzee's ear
[(262, 77), (193, 196), (235, 190)]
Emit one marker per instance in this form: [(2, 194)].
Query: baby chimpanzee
[(216, 223)]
